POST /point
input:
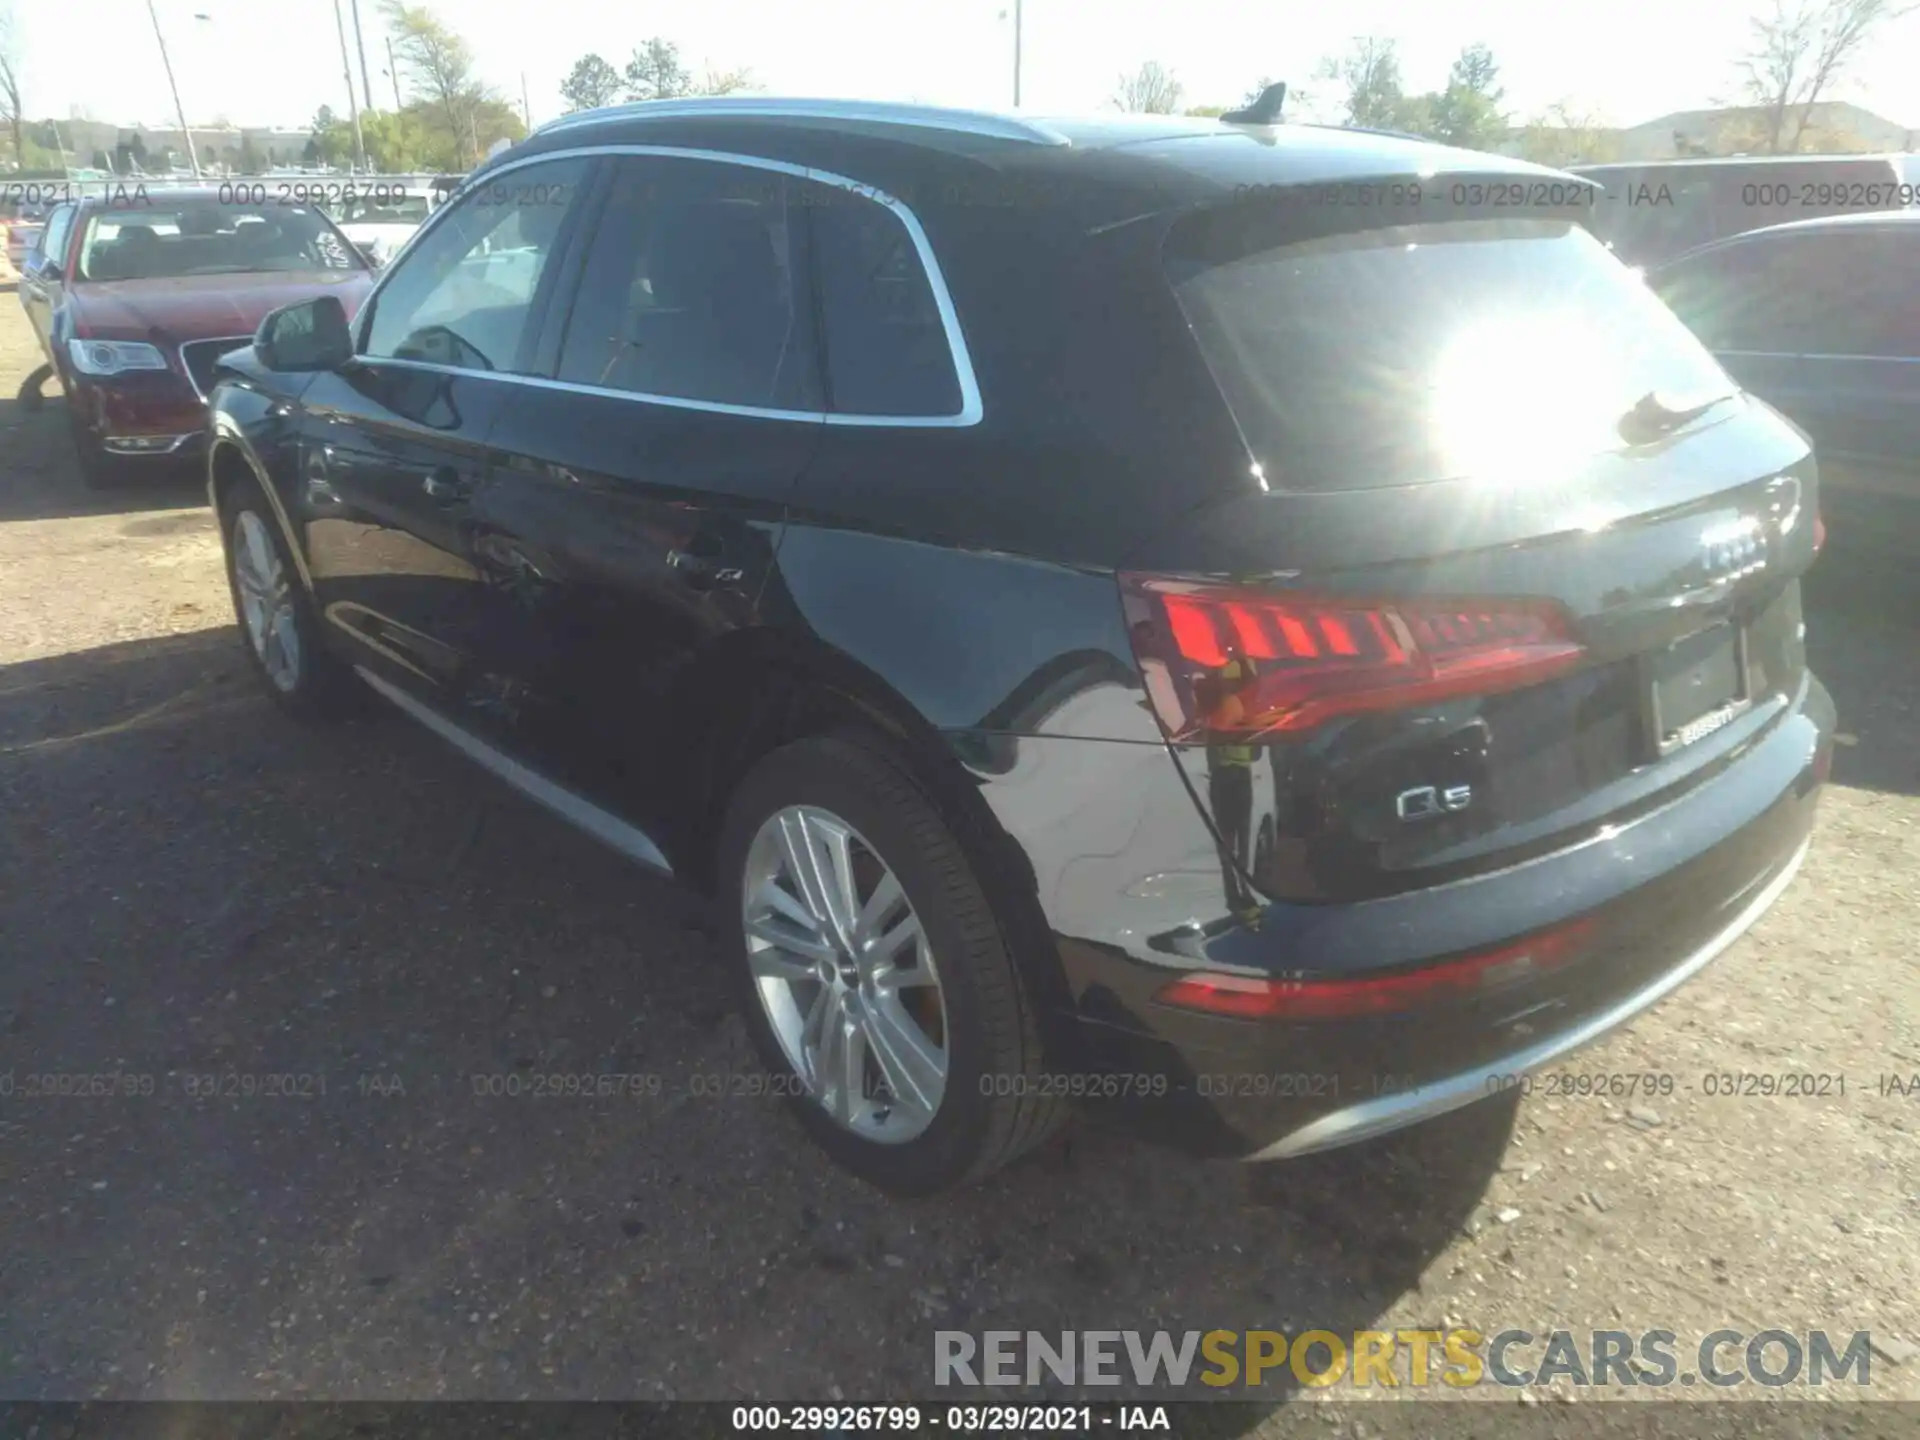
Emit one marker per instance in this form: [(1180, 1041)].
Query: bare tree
[(1150, 90), (1799, 52), (10, 104), (727, 82), (1564, 135)]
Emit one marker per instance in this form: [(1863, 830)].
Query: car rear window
[(1395, 355)]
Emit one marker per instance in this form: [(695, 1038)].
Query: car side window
[(53, 237), (689, 290), (463, 296), (1810, 294), (885, 343), (1860, 295)]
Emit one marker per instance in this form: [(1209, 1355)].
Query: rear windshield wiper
[(1654, 415)]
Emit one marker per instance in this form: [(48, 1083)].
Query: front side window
[(463, 296), (176, 238), (690, 291), (885, 344)]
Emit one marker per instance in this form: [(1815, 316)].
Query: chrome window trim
[(989, 123), (971, 409), (541, 382)]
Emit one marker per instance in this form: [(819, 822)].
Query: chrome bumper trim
[(143, 444), (1369, 1118)]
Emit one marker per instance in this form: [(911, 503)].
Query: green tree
[(1368, 76), (655, 72), (1467, 113), (418, 139), (440, 64), (590, 84)]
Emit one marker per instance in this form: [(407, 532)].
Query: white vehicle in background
[(380, 222)]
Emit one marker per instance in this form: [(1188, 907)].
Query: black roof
[(1716, 162), (1904, 222), (1146, 162)]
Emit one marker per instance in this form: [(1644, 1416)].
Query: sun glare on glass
[(1521, 397)]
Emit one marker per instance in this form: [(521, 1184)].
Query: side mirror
[(371, 254), (312, 335)]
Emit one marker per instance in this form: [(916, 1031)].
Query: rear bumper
[(1366, 1118), (1132, 888)]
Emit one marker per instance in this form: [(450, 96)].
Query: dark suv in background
[(1822, 318), (1238, 625), (1649, 212)]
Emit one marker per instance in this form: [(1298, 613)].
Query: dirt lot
[(192, 885)]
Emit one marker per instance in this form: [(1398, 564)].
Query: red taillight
[(1241, 662), (1250, 998), (1819, 533)]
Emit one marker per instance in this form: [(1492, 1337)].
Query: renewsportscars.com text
[(1391, 1359)]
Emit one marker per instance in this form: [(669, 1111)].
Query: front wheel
[(875, 978), (277, 621), (98, 469)]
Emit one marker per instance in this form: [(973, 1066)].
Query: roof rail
[(878, 112)]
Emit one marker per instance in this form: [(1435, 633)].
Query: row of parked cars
[(1217, 622)]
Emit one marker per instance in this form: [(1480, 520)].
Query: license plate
[(1695, 686)]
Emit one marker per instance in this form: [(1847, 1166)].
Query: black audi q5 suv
[(1263, 631)]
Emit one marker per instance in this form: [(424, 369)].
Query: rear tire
[(279, 628), (961, 990)]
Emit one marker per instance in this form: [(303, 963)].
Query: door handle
[(447, 485)]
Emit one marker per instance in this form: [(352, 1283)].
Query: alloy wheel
[(845, 974), (266, 601)]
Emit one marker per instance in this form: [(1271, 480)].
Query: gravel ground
[(191, 885)]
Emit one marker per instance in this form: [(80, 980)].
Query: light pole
[(1016, 53), (360, 44), (179, 110), (353, 104), (393, 74)]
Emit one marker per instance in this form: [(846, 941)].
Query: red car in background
[(23, 221), (134, 299)]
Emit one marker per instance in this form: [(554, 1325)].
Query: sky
[(275, 62)]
